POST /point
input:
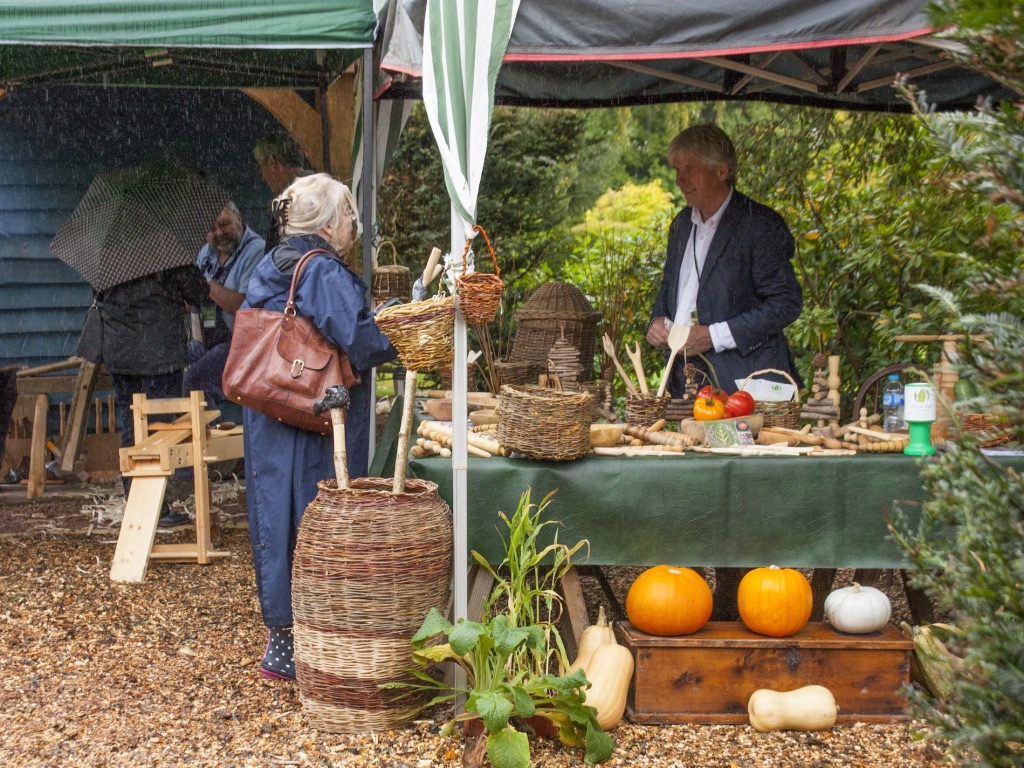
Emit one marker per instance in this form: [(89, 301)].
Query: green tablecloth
[(699, 510)]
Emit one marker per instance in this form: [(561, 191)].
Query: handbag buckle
[(297, 366)]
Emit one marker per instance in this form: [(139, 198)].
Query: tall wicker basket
[(368, 566), (391, 280)]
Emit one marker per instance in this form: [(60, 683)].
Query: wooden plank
[(138, 529), (37, 455), (71, 445), (50, 385), (202, 478), (183, 553), (574, 618), (709, 676)]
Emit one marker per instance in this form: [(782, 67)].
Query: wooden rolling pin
[(883, 436), (802, 437), (648, 435), (433, 429), (650, 450), (887, 446), (446, 440), (874, 418)]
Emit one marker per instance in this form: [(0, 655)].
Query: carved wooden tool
[(677, 336), (638, 367), (609, 349), (336, 399)]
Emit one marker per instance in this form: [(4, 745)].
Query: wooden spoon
[(677, 336), (609, 349)]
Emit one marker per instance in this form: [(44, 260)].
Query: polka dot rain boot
[(279, 655)]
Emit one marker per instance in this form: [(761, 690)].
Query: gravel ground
[(165, 673)]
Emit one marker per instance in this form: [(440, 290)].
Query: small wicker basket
[(479, 292), (423, 332), (778, 414), (645, 410), (543, 423), (391, 280)]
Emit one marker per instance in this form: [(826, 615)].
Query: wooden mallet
[(336, 399)]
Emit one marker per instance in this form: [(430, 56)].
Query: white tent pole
[(460, 499)]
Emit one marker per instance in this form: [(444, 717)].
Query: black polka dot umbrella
[(134, 222)]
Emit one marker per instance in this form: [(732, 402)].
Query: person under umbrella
[(134, 237), (283, 464)]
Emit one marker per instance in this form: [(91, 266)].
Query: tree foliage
[(968, 547)]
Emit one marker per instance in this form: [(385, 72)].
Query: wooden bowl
[(486, 416), (695, 428), (439, 410), (605, 435)]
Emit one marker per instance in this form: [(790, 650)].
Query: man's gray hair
[(710, 143), (282, 146)]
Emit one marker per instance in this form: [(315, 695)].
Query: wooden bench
[(160, 449)]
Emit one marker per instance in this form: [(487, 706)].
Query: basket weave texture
[(391, 280), (519, 372), (423, 332), (479, 292), (644, 411), (778, 414), (553, 310), (543, 423), (990, 429), (368, 566)]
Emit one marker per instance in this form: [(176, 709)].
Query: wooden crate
[(708, 677)]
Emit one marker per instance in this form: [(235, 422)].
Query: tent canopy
[(827, 53), (182, 43)]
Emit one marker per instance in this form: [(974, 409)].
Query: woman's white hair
[(316, 202)]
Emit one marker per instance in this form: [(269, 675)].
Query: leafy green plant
[(525, 582), (499, 690), (510, 658), (966, 548)]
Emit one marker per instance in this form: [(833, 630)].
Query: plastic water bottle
[(892, 405)]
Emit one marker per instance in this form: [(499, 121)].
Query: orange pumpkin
[(665, 600), (775, 601)]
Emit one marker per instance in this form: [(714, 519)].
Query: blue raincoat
[(283, 464)]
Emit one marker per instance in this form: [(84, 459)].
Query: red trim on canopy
[(634, 56)]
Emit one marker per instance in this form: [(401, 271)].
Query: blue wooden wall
[(53, 141)]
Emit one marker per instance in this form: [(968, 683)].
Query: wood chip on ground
[(166, 673)]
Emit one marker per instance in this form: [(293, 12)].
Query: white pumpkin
[(857, 610)]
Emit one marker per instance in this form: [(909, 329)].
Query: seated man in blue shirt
[(226, 261)]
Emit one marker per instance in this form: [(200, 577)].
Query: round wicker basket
[(479, 292), (543, 423), (423, 332), (644, 411), (368, 566), (784, 413), (391, 280)]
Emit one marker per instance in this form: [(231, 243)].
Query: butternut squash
[(811, 708), (609, 671), (592, 638)]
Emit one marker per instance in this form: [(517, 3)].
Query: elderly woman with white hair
[(283, 464)]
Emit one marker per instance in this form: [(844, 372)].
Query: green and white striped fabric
[(464, 42)]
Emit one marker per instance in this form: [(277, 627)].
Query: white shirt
[(701, 234)]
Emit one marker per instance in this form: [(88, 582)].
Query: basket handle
[(796, 388), (394, 252), (469, 241)]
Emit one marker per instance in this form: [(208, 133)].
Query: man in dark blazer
[(728, 275), (729, 263)]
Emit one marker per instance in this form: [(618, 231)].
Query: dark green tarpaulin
[(184, 43)]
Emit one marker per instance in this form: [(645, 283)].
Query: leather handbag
[(279, 364)]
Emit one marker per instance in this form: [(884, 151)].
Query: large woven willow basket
[(368, 566), (784, 413), (543, 423), (423, 332)]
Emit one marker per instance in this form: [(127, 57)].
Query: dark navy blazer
[(748, 281)]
